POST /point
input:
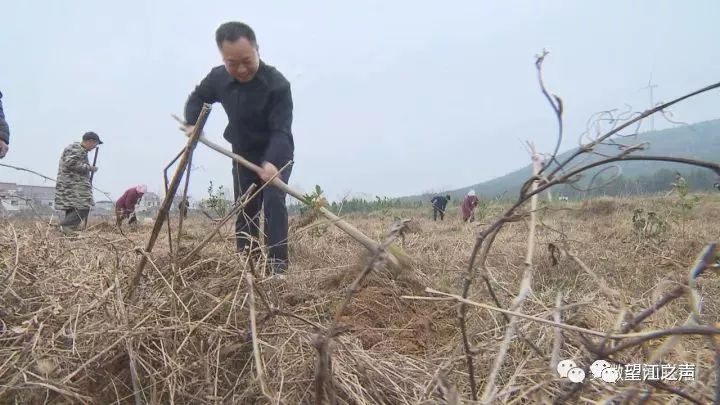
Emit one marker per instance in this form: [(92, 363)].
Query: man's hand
[(3, 149), (93, 169), (268, 171)]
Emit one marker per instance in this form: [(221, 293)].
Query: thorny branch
[(557, 106), (489, 394), (167, 189), (485, 238), (647, 113), (22, 169), (624, 340)]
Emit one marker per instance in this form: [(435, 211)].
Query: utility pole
[(650, 88)]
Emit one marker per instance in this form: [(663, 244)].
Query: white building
[(150, 201), (19, 197), (43, 195), (105, 205)]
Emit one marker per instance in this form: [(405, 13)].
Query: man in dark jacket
[(4, 132), (439, 203), (73, 191), (258, 103)]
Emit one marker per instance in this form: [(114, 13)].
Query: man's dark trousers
[(272, 200), (437, 211), (74, 217)]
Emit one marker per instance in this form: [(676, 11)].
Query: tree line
[(605, 184), (660, 181), (359, 205)]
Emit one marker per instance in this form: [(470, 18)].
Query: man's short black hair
[(448, 197), (232, 31)]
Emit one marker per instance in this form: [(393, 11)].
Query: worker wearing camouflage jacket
[(73, 191), (4, 132)]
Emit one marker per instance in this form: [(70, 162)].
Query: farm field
[(198, 333)]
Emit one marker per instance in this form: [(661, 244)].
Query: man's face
[(89, 144), (241, 59)]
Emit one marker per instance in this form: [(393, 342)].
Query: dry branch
[(397, 257), (183, 199), (166, 184), (129, 346), (170, 195), (590, 146), (602, 284), (402, 351), (240, 204), (256, 349), (521, 315), (558, 341), (525, 287), (530, 189), (49, 178)]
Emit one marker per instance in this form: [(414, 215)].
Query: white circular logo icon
[(597, 368), (576, 375), (610, 375), (564, 366)]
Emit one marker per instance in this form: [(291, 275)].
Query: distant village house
[(149, 202), (18, 197)]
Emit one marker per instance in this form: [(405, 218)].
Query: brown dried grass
[(64, 338)]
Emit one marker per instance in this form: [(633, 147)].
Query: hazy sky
[(391, 97)]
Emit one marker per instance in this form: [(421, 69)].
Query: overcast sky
[(391, 97)]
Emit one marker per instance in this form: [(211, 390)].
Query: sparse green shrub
[(216, 201), (686, 201), (648, 224)]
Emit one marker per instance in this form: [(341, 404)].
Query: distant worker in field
[(679, 186), (183, 207), (679, 180), (4, 132), (125, 205), (73, 191), (468, 206), (439, 203), (258, 102)]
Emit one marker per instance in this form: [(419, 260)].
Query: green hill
[(699, 141)]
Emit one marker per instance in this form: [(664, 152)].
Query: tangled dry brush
[(479, 312), (217, 331)]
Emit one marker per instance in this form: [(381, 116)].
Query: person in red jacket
[(468, 206), (125, 205)]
